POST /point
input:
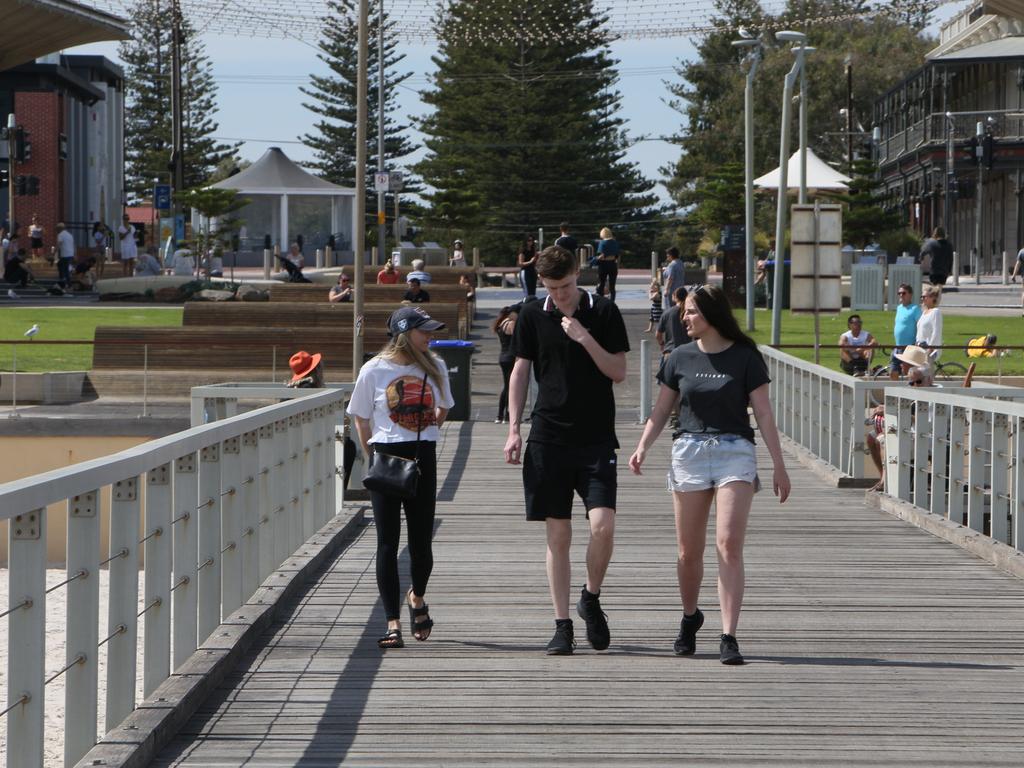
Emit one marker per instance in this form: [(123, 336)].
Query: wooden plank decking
[(868, 642)]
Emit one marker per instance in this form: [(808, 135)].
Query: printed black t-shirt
[(714, 389), (575, 403)]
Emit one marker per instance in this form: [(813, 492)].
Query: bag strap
[(419, 416)]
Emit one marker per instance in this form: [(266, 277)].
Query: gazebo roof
[(820, 175), (38, 27), (276, 174)]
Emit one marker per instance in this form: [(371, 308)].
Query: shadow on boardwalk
[(869, 641)]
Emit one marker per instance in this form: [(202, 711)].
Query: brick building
[(72, 107)]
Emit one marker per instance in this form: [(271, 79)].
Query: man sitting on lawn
[(856, 346)]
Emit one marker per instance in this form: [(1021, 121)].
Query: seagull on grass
[(32, 331)]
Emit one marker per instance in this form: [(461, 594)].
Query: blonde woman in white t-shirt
[(401, 391), (929, 327)]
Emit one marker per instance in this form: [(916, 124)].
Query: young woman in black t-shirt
[(713, 380)]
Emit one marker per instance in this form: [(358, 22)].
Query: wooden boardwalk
[(868, 642)]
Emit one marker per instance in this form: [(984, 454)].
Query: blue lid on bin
[(450, 343)]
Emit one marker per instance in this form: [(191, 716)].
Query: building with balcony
[(932, 161)]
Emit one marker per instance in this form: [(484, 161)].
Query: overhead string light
[(507, 21)]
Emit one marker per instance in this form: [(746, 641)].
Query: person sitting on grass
[(856, 347)]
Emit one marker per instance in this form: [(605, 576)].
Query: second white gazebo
[(286, 201), (820, 175)]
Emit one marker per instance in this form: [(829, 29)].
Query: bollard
[(319, 258), (645, 380), (14, 385), (329, 256), (956, 267), (654, 266), (1006, 270), (266, 263)]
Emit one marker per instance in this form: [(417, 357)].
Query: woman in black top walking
[(527, 261), (504, 325), (713, 459), (607, 263)]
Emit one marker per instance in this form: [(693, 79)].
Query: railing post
[(82, 628), (26, 638), (250, 547), (1017, 497), (280, 486), (307, 463), (186, 553), (645, 380), (293, 471), (999, 475), (316, 457), (231, 525), (978, 441), (208, 564), (267, 497), (335, 446), (122, 624), (922, 442), (957, 445), (157, 604), (940, 460)]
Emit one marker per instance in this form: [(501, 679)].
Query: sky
[(260, 101)]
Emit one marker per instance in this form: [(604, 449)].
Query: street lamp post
[(359, 236), (801, 52), (780, 214), (381, 216), (755, 48), (979, 209)]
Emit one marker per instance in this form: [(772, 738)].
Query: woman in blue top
[(713, 380), (607, 263)]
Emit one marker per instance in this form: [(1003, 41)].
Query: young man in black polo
[(578, 343)]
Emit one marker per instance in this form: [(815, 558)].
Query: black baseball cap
[(407, 318)]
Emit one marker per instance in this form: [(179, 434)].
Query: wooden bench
[(335, 317), (438, 275), (379, 294)]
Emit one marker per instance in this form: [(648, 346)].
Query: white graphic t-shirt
[(388, 395)]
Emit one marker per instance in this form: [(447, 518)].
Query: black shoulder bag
[(396, 475)]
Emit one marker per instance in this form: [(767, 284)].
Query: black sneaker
[(562, 643), (729, 651), (686, 643), (589, 609)]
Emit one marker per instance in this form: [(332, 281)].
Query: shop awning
[(34, 28)]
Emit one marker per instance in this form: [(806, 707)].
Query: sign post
[(816, 270)]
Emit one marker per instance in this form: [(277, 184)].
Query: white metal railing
[(822, 410), (958, 454), (220, 505)]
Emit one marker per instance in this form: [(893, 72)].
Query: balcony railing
[(211, 512)]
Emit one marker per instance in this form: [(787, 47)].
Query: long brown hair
[(714, 305)]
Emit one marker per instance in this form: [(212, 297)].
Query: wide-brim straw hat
[(914, 356)]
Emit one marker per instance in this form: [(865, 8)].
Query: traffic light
[(973, 149), (32, 185), (20, 185), (988, 149), (22, 145)]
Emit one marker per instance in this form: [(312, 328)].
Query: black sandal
[(391, 639), (419, 627)]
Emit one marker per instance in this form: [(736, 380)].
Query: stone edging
[(136, 741)]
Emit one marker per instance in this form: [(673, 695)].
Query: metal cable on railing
[(26, 603), (123, 553), (23, 699), (121, 628), (156, 532), (156, 602), (80, 575)]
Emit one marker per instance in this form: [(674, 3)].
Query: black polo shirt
[(575, 404)]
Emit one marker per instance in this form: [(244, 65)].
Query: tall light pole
[(801, 52), (979, 209), (781, 209), (177, 130), (754, 48), (381, 216), (359, 236)]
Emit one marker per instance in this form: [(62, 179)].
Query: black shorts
[(551, 473)]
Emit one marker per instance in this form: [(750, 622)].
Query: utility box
[(458, 356)]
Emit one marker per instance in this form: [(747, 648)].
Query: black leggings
[(506, 374), (419, 521), (607, 271)]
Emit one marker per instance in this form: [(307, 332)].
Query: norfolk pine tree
[(147, 58), (333, 99), (526, 130)]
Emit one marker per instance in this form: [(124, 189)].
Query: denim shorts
[(700, 462)]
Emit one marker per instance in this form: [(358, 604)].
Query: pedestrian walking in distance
[(713, 381), (578, 343), (400, 399)]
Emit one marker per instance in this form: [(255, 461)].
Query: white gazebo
[(820, 175), (285, 201)]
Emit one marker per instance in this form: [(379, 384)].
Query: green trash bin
[(769, 269), (458, 356)]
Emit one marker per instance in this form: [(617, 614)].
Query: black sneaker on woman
[(563, 641), (729, 651), (686, 643)]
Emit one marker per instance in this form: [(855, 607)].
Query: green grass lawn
[(59, 324), (798, 328)]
